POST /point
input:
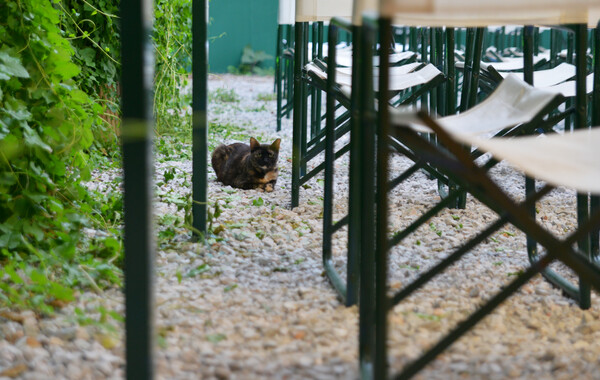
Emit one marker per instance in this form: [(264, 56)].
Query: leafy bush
[(93, 31), (46, 124), (251, 61), (172, 38)]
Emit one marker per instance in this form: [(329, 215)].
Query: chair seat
[(571, 160), (567, 89), (401, 77), (547, 78), (513, 102), (510, 64)]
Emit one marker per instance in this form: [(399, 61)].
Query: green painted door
[(235, 24)]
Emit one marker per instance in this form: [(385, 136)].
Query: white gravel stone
[(264, 310)]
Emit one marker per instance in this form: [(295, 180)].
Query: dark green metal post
[(366, 194), (381, 239), (477, 52), (424, 44), (330, 124), (439, 58), (199, 117), (450, 73), (528, 77), (595, 200), (580, 122), (354, 192), (298, 100), (278, 76), (136, 80), (467, 71)]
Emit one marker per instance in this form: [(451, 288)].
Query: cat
[(247, 166)]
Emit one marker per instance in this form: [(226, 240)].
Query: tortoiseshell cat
[(247, 166)]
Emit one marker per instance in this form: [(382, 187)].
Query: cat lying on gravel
[(247, 166)]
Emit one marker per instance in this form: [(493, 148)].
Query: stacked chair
[(505, 125), (284, 59), (447, 155)]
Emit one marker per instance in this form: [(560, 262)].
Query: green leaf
[(12, 274), (34, 230), (11, 66), (216, 338), (61, 292), (258, 202), (198, 270)]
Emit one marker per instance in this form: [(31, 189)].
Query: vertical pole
[(424, 45), (529, 182), (354, 193), (467, 71), (366, 195), (199, 117), (381, 233), (477, 51), (595, 106), (439, 56), (580, 122), (304, 109), (450, 73), (278, 63), (330, 124), (298, 101), (136, 79)]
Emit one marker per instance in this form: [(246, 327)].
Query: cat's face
[(264, 156)]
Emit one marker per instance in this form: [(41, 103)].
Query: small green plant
[(216, 338), (251, 63), (267, 96), (224, 95), (435, 229)]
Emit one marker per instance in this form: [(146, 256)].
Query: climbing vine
[(47, 117)]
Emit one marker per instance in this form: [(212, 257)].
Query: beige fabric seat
[(401, 77), (513, 102), (546, 78)]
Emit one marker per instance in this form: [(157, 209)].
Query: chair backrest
[(322, 10), (489, 12), (287, 12)]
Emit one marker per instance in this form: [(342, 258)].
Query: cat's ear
[(275, 145), (254, 143)]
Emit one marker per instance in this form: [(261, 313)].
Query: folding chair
[(337, 83), (284, 59), (308, 11), (451, 159)]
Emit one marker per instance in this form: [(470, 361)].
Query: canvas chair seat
[(344, 58), (509, 64), (567, 89), (513, 102), (547, 78), (401, 77)]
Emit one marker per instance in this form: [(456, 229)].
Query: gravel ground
[(255, 304)]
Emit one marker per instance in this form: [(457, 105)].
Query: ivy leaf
[(68, 70), (11, 66), (32, 139), (16, 109), (34, 230)]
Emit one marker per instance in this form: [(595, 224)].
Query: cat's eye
[(271, 154)]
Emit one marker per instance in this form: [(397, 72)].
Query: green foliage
[(172, 38), (223, 95), (46, 124), (251, 63), (93, 30), (267, 96)]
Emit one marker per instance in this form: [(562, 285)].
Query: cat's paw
[(269, 188)]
